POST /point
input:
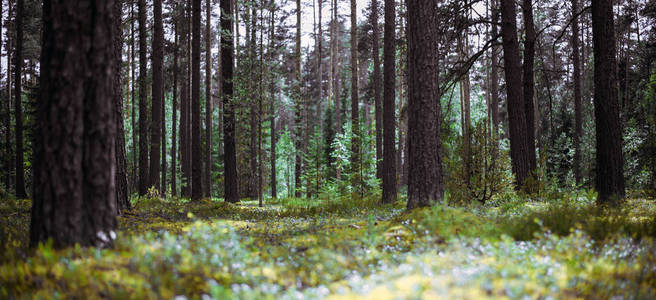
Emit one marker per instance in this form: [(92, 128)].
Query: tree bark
[(18, 103), (356, 177), (274, 183), (158, 95), (207, 185), (578, 96), (122, 201), (74, 165), (185, 137), (494, 72), (610, 160), (516, 115), (252, 41), (196, 152), (377, 88), (174, 170), (298, 138), (227, 66), (424, 136), (144, 183), (529, 81), (389, 107), (132, 102)]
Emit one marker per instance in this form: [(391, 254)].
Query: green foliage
[(339, 248), (489, 172)]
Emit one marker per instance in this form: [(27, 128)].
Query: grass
[(338, 249)]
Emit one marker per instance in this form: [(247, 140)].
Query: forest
[(327, 149)]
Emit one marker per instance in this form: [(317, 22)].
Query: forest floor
[(308, 249)]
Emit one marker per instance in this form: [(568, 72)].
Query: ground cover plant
[(174, 248)]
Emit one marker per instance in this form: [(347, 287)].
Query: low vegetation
[(292, 248)]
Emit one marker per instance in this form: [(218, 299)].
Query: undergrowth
[(321, 248)]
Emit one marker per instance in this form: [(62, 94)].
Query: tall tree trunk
[(610, 161), (7, 105), (318, 117), (207, 185), (174, 175), (74, 165), (375, 52), (227, 66), (196, 153), (122, 202), (144, 183), (516, 116), (578, 97), (158, 95), (260, 110), (424, 137), (132, 101), (356, 178), (298, 139), (18, 103), (335, 67), (529, 81), (389, 107), (274, 183), (185, 138), (465, 107), (252, 90), (494, 71)]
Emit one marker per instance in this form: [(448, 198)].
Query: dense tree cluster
[(103, 100)]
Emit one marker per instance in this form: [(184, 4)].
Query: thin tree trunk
[(174, 186), (122, 202), (356, 180), (578, 98), (375, 50), (516, 116), (74, 165), (18, 110), (196, 153), (389, 108), (208, 102), (158, 95), (494, 72), (133, 100), (7, 120), (274, 183), (610, 161), (298, 114), (424, 112), (144, 183), (252, 90), (529, 81), (227, 66), (260, 110), (184, 109)]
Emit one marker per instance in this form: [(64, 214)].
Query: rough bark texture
[(185, 138), (424, 137), (18, 103), (298, 136), (227, 67), (272, 110), (207, 183), (144, 183), (578, 96), (7, 107), (252, 90), (132, 102), (158, 95), (176, 71), (196, 149), (375, 51), (74, 165), (494, 71), (122, 193), (356, 177), (516, 116), (529, 80), (389, 107), (610, 160)]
